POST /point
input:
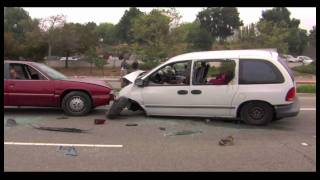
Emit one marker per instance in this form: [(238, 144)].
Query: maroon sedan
[(34, 84)]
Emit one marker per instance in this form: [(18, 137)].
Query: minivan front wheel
[(256, 113)]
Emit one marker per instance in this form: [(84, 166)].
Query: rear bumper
[(289, 110)]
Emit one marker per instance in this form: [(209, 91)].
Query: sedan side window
[(34, 74), (17, 71), (172, 74)]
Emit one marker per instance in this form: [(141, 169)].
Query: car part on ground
[(116, 108), (11, 123), (70, 151), (99, 121), (71, 130), (227, 141), (76, 103), (184, 132)]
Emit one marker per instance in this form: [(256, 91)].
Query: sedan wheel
[(76, 103)]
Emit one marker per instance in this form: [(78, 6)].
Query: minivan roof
[(227, 54)]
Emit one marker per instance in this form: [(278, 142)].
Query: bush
[(148, 65), (309, 69), (306, 89)]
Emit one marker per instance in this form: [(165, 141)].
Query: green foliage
[(148, 65), (306, 89), (313, 37), (107, 32), (151, 32), (309, 69), (123, 28), (220, 21)]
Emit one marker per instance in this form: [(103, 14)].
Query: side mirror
[(139, 82)]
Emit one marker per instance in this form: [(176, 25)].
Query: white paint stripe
[(307, 98), (57, 144), (308, 109)]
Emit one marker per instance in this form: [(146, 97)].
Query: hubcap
[(76, 104), (256, 113)]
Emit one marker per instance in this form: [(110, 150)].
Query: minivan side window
[(174, 74), (213, 72), (258, 72)]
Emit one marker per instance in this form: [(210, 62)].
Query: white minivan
[(252, 85)]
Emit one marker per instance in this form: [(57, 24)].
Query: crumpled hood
[(91, 81), (133, 76)]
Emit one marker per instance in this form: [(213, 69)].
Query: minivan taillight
[(291, 94)]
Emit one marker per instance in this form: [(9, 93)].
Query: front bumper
[(289, 110)]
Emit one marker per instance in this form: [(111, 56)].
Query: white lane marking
[(58, 144), (308, 109), (307, 98)]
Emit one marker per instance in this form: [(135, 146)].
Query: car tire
[(256, 113), (117, 107), (76, 103)]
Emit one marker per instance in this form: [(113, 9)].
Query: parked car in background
[(255, 86), (305, 59), (35, 84), (290, 58), (71, 58)]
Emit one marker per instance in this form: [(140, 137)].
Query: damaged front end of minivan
[(129, 96)]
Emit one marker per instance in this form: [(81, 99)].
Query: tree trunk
[(67, 57)]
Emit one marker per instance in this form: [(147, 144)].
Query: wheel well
[(71, 90), (136, 103), (244, 103)]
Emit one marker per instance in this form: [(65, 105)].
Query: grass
[(307, 69), (306, 89)]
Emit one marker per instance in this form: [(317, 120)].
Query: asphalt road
[(276, 147)]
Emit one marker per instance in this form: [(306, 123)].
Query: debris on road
[(184, 132), (208, 120), (162, 128), (11, 123), (72, 130), (304, 144), (62, 117), (99, 121), (228, 141), (131, 124), (70, 151)]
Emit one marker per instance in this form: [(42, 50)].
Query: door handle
[(181, 92), (196, 92)]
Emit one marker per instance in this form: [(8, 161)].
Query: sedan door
[(30, 88), (6, 90), (167, 90)]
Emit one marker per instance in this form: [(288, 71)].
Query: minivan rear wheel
[(256, 113)]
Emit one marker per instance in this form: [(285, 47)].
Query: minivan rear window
[(285, 65), (252, 71)]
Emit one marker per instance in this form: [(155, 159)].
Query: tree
[(280, 17), (123, 28), (273, 36), (48, 25), (313, 37), (151, 31), (107, 32), (67, 41), (220, 21), (195, 36)]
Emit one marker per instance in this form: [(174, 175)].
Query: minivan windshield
[(51, 72)]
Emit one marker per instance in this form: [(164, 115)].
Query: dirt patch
[(85, 71)]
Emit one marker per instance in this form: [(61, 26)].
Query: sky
[(306, 15)]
